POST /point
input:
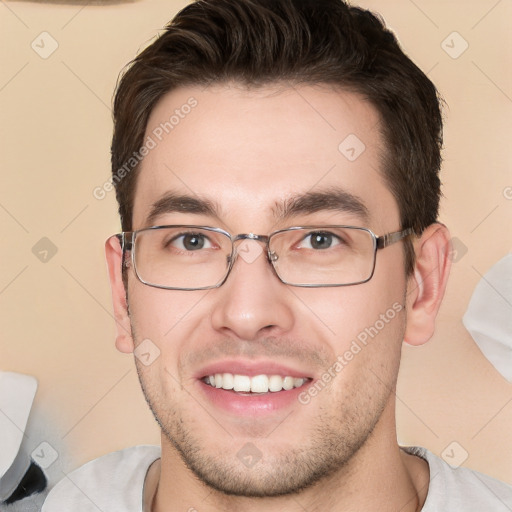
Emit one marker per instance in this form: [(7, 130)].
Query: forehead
[(248, 150)]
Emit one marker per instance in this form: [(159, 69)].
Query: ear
[(426, 287), (114, 255)]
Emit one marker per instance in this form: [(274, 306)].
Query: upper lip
[(251, 368)]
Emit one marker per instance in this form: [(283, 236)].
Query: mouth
[(257, 384), (249, 388)]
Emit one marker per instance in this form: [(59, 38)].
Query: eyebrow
[(179, 203), (332, 199)]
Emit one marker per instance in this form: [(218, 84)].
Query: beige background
[(55, 129)]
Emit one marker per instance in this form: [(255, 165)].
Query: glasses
[(188, 257)]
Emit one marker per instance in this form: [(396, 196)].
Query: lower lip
[(256, 403)]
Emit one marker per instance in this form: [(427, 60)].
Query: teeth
[(256, 384), (275, 383), (228, 381), (288, 383), (241, 383), (259, 384)]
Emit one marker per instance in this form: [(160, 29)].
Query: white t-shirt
[(115, 483)]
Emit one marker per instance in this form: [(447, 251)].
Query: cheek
[(165, 317), (352, 313), (158, 313), (363, 326), (159, 321), (366, 342)]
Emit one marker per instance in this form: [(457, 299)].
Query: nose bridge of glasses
[(251, 236), (264, 239)]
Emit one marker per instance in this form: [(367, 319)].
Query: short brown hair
[(259, 42)]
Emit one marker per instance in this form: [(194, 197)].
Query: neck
[(380, 476)]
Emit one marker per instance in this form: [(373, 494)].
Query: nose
[(252, 302)]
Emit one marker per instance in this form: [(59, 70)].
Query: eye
[(319, 240), (191, 242)]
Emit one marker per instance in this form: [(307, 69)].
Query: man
[(276, 166)]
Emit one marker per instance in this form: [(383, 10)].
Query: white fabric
[(112, 483), (115, 483), (489, 318), (17, 393), (461, 489)]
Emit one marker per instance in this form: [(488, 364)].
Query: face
[(244, 156)]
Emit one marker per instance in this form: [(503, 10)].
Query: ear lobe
[(426, 287), (114, 256)]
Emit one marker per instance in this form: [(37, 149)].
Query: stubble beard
[(335, 437), (329, 446)]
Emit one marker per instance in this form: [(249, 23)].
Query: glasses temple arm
[(391, 238), (126, 242)]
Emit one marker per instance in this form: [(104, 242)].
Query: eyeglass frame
[(379, 242)]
